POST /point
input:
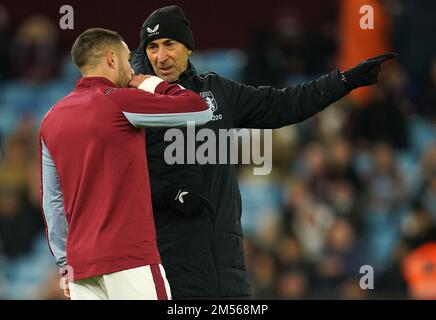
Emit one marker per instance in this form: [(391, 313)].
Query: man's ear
[(111, 59), (189, 52)]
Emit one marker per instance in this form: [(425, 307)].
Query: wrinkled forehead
[(161, 41)]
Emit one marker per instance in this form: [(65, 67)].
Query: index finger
[(384, 57), (66, 288), (67, 293)]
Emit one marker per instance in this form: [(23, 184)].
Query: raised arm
[(160, 104), (268, 107)]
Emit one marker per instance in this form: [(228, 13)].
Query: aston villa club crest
[(210, 99)]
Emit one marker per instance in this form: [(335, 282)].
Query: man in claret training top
[(95, 190)]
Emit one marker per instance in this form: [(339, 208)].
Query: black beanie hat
[(168, 22)]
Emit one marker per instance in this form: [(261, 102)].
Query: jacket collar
[(190, 79), (86, 82), (188, 74)]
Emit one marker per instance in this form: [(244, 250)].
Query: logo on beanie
[(149, 30)]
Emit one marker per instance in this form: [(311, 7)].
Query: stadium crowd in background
[(354, 186)]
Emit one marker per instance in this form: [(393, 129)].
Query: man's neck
[(99, 74)]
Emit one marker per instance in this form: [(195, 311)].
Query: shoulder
[(54, 112), (121, 95), (44, 121), (207, 76), (215, 81), (212, 77)]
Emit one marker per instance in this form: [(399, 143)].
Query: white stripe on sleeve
[(150, 84), (53, 208), (168, 119)]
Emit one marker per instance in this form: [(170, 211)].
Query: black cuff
[(348, 86)]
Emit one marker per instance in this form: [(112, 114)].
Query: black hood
[(139, 61)]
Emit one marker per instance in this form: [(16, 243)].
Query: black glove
[(366, 72), (183, 200)]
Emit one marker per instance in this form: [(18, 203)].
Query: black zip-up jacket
[(203, 255)]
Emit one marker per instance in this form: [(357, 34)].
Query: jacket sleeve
[(267, 107), (52, 203), (159, 104)]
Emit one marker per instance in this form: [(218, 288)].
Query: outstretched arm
[(267, 107)]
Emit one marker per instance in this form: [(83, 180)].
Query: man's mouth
[(165, 70)]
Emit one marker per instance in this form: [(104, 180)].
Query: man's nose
[(162, 54)]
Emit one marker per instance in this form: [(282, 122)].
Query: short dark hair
[(92, 44)]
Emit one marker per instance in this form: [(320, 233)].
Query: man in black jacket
[(197, 207)]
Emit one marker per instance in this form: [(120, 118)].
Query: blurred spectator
[(420, 271), (265, 59), (383, 119), (428, 195), (261, 205), (14, 165), (20, 150), (20, 220), (35, 50), (340, 261), (293, 285), (313, 169), (284, 149), (298, 45), (429, 101), (390, 283), (428, 161), (293, 281), (425, 193), (331, 123), (32, 188), (263, 274), (344, 186), (5, 43), (385, 198), (417, 261), (410, 19), (18, 223), (419, 228), (307, 218), (385, 185), (290, 33), (289, 253), (351, 290), (321, 46), (26, 131)]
